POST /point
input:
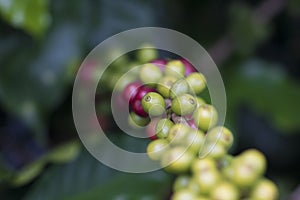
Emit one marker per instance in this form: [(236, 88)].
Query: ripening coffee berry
[(194, 140), (136, 121), (150, 74), (205, 117), (188, 67), (243, 176), (146, 53), (264, 190), (157, 148), (184, 104), (203, 165), (225, 191), (254, 159), (196, 81), (150, 129), (178, 88), (165, 84), (200, 101), (177, 160), (184, 194), (178, 134), (161, 63), (181, 182), (175, 68), (136, 106), (163, 127), (221, 135), (131, 90), (213, 150), (154, 104), (207, 181)]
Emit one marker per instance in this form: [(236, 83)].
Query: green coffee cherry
[(146, 53), (193, 186), (136, 121), (175, 68), (196, 81), (183, 194), (178, 134), (255, 160), (163, 127), (220, 135), (177, 160), (181, 182), (205, 117), (157, 148), (214, 150), (194, 141), (264, 190), (184, 104), (154, 104), (207, 181), (178, 88), (165, 84), (150, 74), (203, 165), (225, 191), (243, 176), (200, 101)]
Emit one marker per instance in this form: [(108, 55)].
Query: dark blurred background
[(256, 45)]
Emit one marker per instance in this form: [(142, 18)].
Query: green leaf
[(266, 88), (88, 179), (30, 15), (246, 30)]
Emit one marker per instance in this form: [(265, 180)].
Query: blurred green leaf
[(88, 179), (61, 154), (246, 30), (30, 15), (266, 88)]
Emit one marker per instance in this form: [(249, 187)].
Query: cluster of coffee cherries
[(186, 139)]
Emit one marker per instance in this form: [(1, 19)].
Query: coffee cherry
[(188, 67), (146, 53), (154, 104), (200, 101), (150, 129), (178, 88), (157, 148), (175, 68), (207, 181), (197, 82), (264, 190), (165, 84), (243, 176), (142, 91), (225, 191), (184, 194), (178, 134), (131, 90), (137, 107), (203, 165), (163, 127), (181, 182), (136, 121), (184, 104), (160, 63), (194, 141), (150, 74), (177, 160), (205, 117), (255, 160), (213, 150), (220, 135), (193, 187)]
